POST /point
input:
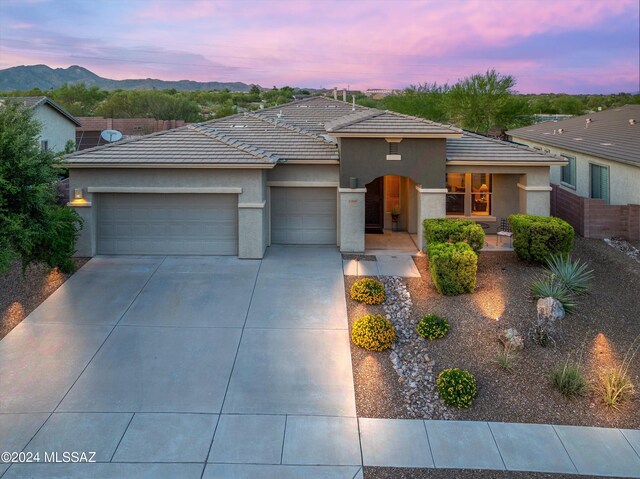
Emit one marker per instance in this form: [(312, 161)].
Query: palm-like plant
[(574, 275), (550, 286)]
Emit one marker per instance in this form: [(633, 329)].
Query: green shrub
[(368, 291), (548, 286), (373, 332), (453, 268), (456, 387), (569, 379), (537, 238), (57, 243), (432, 326), (573, 275), (447, 230)]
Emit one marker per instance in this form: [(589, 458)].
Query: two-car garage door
[(303, 215), (198, 224), (207, 224)]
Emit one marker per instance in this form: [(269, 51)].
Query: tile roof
[(386, 122), (310, 114), (34, 101), (477, 148), (285, 141), (609, 134), (295, 131), (191, 144)]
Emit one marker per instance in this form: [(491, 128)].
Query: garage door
[(178, 224), (303, 215)]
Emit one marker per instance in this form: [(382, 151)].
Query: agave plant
[(550, 286), (572, 274)]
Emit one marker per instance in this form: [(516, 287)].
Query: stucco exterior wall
[(251, 201), (624, 179), (56, 128), (422, 160), (305, 173)]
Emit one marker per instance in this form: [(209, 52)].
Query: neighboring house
[(314, 171), (603, 154), (58, 125), (88, 135)]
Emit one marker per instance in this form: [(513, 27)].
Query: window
[(599, 182), (480, 194), (469, 194), (456, 193), (44, 145), (569, 172)]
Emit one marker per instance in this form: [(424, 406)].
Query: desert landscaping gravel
[(22, 292), (601, 330)]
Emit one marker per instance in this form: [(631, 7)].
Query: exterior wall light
[(77, 194)]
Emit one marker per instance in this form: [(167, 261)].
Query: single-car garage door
[(204, 224), (303, 215)]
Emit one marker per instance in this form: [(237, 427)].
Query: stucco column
[(432, 203), (352, 219), (251, 231), (535, 194)]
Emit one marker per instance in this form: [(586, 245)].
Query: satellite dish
[(111, 135)]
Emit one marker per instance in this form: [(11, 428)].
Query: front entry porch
[(391, 242)]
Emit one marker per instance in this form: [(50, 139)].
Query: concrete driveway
[(186, 367)]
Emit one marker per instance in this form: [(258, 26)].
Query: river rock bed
[(409, 355)]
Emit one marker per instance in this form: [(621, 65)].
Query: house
[(58, 125), (88, 135), (313, 171), (602, 150)]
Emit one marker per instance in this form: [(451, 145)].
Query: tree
[(32, 226), (424, 100), (484, 101), (78, 99)]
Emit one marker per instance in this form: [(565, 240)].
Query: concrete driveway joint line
[(235, 358), (263, 389)]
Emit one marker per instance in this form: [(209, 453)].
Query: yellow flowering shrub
[(368, 291), (456, 387), (373, 332)]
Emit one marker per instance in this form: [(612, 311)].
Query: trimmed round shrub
[(368, 291), (432, 326), (453, 268), (373, 332), (538, 238), (453, 230), (456, 387)]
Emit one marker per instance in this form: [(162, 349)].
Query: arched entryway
[(390, 214)]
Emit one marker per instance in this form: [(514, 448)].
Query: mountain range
[(27, 77)]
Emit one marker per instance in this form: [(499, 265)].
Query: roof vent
[(560, 131), (589, 120), (279, 114), (606, 144), (579, 139), (632, 121), (238, 126)]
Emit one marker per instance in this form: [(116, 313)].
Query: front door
[(373, 205)]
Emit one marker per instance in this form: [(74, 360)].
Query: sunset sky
[(572, 46)]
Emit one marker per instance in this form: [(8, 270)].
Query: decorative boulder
[(511, 339), (548, 325), (550, 309)]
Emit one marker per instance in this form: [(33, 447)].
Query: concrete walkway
[(384, 265), (200, 367)]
